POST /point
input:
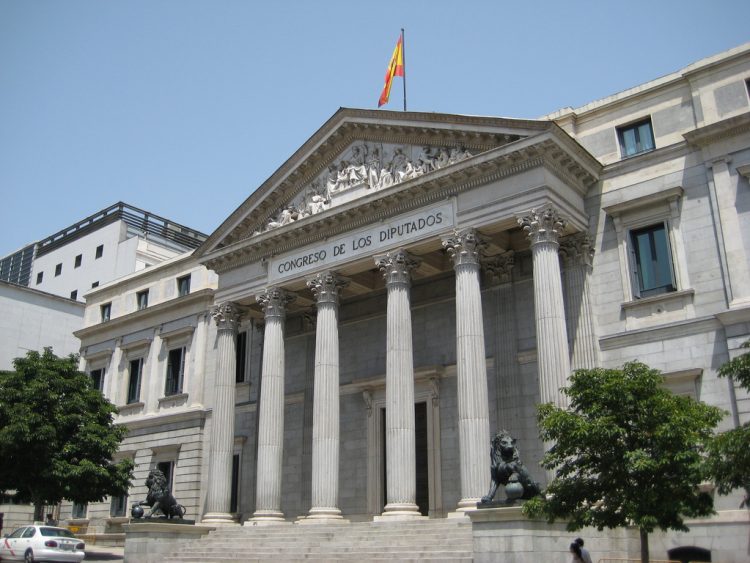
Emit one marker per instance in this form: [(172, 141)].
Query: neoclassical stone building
[(406, 284)]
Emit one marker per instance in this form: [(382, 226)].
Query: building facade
[(406, 284)]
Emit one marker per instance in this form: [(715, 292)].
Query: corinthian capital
[(578, 249), (499, 267), (325, 286), (274, 301), (464, 246), (542, 225), (226, 316), (396, 266)]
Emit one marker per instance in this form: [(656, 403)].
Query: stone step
[(428, 540)]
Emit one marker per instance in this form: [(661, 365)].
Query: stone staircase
[(426, 540)]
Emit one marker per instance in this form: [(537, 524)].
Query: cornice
[(347, 125), (725, 129), (118, 324), (545, 150)]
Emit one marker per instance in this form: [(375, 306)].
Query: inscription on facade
[(370, 240)]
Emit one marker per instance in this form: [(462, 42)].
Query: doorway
[(422, 471)]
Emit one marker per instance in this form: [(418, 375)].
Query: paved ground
[(103, 553)]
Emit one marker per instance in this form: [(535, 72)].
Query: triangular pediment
[(358, 159)]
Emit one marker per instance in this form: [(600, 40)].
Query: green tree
[(626, 453), (57, 435), (729, 459)]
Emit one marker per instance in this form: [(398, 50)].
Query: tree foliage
[(57, 435), (729, 459), (626, 452)]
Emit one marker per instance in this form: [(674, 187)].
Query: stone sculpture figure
[(159, 499), (506, 466)]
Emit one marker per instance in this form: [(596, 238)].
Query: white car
[(41, 543)]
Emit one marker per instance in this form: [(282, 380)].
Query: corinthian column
[(400, 440), (543, 227), (325, 453), (465, 247), (271, 416), (578, 252), (219, 492)]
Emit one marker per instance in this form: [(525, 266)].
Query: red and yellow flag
[(395, 68)]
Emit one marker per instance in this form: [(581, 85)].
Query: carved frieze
[(372, 166)]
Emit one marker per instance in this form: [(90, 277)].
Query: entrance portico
[(419, 230)]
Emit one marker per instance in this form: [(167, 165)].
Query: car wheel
[(28, 557)]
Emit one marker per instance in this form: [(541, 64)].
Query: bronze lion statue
[(506, 463), (159, 498)]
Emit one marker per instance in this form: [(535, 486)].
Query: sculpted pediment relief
[(363, 168)]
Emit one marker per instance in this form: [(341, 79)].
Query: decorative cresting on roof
[(226, 316), (543, 225), (274, 300), (325, 286), (465, 247), (578, 249), (411, 194)]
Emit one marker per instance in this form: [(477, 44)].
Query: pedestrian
[(585, 555), (575, 551)]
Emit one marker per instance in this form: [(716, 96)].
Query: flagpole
[(403, 56)]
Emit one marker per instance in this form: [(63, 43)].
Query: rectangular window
[(39, 277), (175, 372), (58, 270), (241, 351), (118, 506), (100, 251), (106, 310), (183, 285), (134, 383), (652, 261), (142, 299), (79, 510), (636, 138), (78, 261), (74, 294), (97, 378)]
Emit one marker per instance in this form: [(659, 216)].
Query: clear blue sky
[(184, 107)]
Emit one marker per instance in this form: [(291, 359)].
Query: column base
[(266, 518), (400, 511), (219, 519), (323, 516), (464, 505)]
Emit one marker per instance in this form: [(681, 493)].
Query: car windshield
[(56, 532)]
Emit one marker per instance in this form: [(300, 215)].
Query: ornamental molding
[(465, 247), (396, 267), (543, 225), (719, 131), (411, 194)]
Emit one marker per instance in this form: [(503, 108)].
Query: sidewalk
[(103, 553)]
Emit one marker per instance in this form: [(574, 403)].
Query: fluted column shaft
[(271, 416), (219, 493), (544, 227), (325, 442), (578, 252), (400, 437), (473, 408)]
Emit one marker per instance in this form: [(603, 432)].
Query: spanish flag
[(395, 68)]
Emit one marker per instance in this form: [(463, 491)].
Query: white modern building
[(406, 284)]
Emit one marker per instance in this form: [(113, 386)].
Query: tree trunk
[(644, 546), (38, 511)]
